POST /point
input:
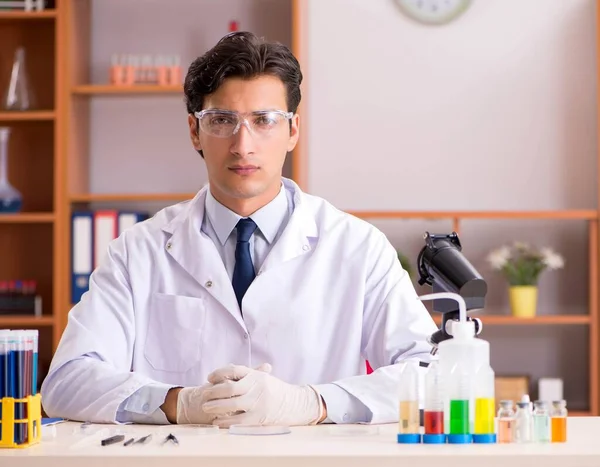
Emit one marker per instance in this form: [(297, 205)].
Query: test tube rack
[(33, 409)]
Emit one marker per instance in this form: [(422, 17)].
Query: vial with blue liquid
[(11, 199)]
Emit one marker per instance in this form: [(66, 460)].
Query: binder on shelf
[(92, 232), (129, 219), (105, 231), (82, 252)]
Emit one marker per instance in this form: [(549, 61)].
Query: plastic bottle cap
[(484, 438), (434, 439), (460, 439), (409, 438), (463, 329)]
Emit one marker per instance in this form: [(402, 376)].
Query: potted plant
[(522, 266)]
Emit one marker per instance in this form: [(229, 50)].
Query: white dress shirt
[(219, 224)]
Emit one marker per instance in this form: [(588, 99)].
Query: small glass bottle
[(523, 423), (541, 422), (460, 400), (11, 200), (434, 406), (409, 426), (484, 431), (559, 421), (506, 422)]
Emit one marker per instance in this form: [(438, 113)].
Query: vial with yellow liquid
[(485, 407), (409, 426)]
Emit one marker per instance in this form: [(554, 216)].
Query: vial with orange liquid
[(559, 421)]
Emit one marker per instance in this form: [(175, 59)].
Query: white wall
[(494, 111)]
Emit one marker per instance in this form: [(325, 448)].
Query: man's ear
[(294, 132), (194, 136)]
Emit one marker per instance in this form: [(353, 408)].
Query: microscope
[(442, 265)]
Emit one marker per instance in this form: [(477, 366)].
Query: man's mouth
[(244, 169)]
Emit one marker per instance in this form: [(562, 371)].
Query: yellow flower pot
[(523, 300)]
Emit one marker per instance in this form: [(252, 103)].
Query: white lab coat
[(330, 294)]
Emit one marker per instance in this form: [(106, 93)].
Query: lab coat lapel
[(196, 253), (298, 238)]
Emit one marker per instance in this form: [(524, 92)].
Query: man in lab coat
[(253, 303)]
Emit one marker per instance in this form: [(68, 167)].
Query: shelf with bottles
[(11, 15), (27, 172)]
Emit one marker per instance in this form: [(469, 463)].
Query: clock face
[(433, 11)]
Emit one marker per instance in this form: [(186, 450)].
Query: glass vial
[(10, 198), (18, 95), (434, 405), (460, 398), (409, 426), (506, 422), (559, 421), (541, 422), (523, 423), (484, 405)]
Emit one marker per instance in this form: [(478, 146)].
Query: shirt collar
[(268, 218)]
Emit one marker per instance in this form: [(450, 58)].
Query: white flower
[(551, 259), (498, 258)]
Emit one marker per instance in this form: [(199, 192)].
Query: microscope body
[(442, 265)]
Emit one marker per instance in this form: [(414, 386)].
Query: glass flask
[(10, 198), (19, 95)]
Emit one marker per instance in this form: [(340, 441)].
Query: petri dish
[(189, 430), (258, 430)]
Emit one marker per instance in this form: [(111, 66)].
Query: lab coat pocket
[(174, 337)]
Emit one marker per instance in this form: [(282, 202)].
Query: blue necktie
[(243, 273)]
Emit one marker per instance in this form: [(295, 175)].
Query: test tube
[(523, 423), (4, 375), (408, 430), (559, 421), (434, 406), (506, 422), (484, 405), (34, 364), (541, 422), (460, 398)]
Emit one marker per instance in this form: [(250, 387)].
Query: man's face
[(246, 164)]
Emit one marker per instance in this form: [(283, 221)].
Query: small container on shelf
[(11, 200), (506, 422)]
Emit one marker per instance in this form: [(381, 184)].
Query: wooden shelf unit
[(32, 238)]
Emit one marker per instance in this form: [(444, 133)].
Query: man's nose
[(243, 140)]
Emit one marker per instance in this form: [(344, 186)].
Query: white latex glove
[(261, 398), (191, 399), (189, 406)]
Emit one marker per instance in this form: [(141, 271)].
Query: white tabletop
[(328, 445)]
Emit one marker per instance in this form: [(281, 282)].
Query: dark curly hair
[(241, 55)]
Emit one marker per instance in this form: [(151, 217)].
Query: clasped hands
[(238, 395)]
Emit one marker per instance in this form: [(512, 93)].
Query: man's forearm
[(169, 407)]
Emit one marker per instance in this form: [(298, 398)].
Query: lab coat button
[(146, 407), (208, 284), (306, 248), (169, 246)]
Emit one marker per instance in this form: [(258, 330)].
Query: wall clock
[(433, 11)]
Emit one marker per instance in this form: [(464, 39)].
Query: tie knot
[(245, 229)]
